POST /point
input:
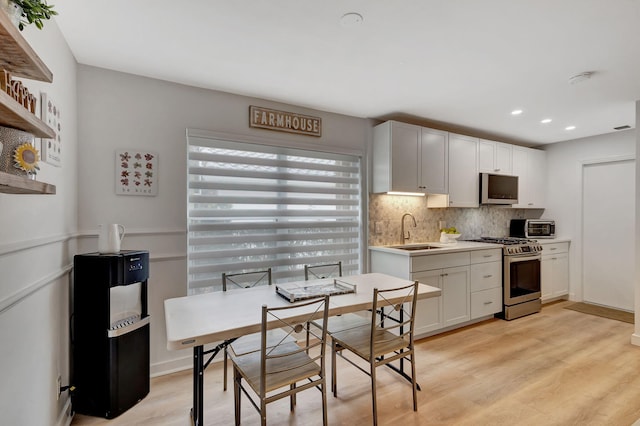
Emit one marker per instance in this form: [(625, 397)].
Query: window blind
[(252, 207)]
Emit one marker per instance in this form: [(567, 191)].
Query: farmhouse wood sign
[(284, 121)]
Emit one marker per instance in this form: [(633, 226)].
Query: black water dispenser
[(110, 332)]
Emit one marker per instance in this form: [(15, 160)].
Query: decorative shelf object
[(14, 184)]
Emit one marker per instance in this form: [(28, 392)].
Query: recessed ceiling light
[(546, 121), (351, 19), (516, 112), (570, 127)]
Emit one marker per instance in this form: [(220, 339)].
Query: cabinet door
[(520, 160), (434, 161), (503, 164), (560, 274), (495, 157), (537, 178), (455, 295), (546, 278), (554, 275), (486, 156), (428, 311), (395, 157), (464, 180)]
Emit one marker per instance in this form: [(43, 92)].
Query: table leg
[(198, 386)]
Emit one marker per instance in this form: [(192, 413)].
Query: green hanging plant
[(34, 12)]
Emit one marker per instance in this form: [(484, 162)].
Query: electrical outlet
[(378, 227), (58, 388)]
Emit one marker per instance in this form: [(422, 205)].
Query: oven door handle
[(523, 258)]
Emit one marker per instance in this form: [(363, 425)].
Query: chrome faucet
[(408, 234)]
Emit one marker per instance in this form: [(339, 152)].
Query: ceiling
[(457, 64)]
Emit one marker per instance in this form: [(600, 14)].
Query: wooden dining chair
[(389, 338), (251, 342), (338, 322), (283, 370)]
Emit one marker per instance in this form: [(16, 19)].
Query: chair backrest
[(394, 311), (246, 279), (285, 357), (325, 270)]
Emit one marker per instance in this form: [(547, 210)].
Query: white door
[(608, 234)]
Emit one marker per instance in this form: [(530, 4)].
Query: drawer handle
[(553, 248), (488, 303), (444, 275), (488, 276), (554, 258), (487, 255)]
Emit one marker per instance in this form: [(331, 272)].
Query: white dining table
[(218, 317)]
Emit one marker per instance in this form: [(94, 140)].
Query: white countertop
[(441, 248), (452, 247)]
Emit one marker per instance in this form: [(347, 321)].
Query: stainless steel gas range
[(521, 260)]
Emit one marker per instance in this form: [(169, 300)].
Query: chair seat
[(344, 322), (251, 342), (357, 341), (280, 371)]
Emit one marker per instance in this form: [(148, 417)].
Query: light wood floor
[(557, 367)]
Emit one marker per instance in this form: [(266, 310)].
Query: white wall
[(564, 188), (36, 247), (118, 110)]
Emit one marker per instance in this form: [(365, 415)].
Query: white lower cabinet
[(452, 307), (554, 270), (471, 284), (486, 288)]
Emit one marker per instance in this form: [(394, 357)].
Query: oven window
[(524, 277)]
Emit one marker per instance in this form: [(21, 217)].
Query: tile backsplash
[(385, 215)]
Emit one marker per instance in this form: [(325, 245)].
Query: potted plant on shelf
[(34, 12)]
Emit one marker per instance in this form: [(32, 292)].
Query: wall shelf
[(21, 60), (17, 56), (14, 184), (14, 115)]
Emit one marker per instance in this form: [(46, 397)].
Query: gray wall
[(118, 110), (564, 187), (37, 242)]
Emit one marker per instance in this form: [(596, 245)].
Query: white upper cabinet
[(464, 182), (495, 157), (409, 158), (434, 161), (530, 167)]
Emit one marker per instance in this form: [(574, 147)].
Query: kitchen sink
[(416, 247)]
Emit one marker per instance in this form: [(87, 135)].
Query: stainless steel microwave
[(532, 228), (498, 189)]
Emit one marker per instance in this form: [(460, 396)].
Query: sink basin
[(416, 247)]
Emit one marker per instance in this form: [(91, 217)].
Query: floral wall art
[(51, 149), (136, 172)]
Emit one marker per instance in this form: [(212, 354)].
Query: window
[(253, 206)]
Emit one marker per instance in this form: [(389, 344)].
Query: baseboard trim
[(65, 416), (172, 366)]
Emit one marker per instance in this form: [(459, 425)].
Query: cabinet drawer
[(553, 248), (486, 302), (491, 255), (486, 275), (439, 261)]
